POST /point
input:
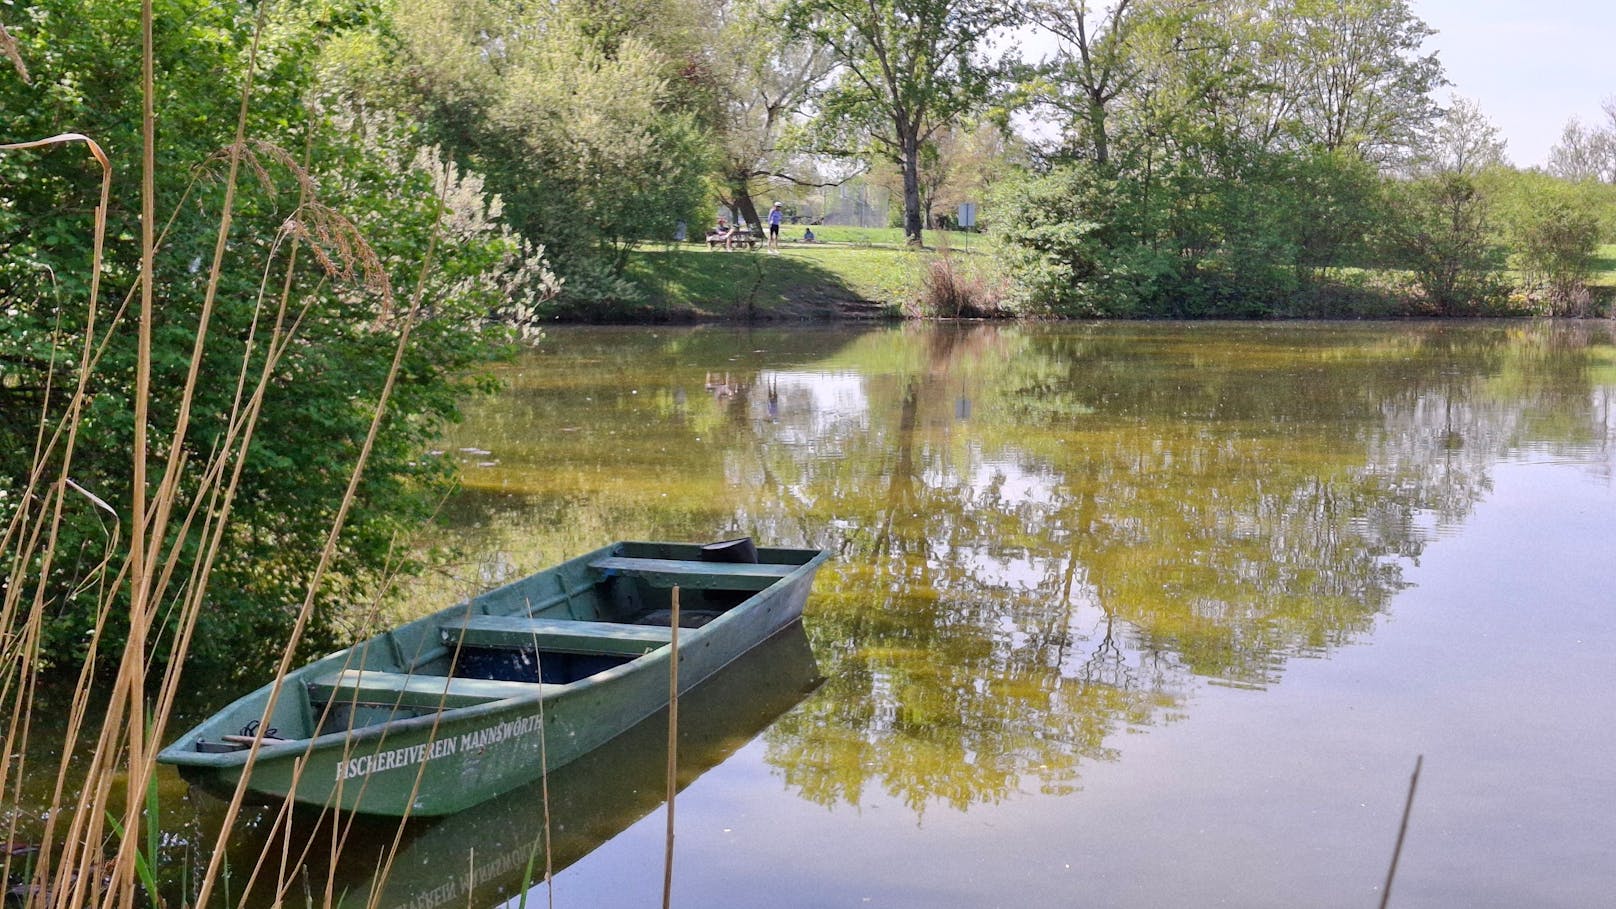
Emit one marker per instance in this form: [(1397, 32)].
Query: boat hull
[(444, 761)]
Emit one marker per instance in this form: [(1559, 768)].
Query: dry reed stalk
[(131, 676), (126, 712), (544, 798), (673, 746), (241, 423), (327, 553), (282, 820), (125, 741), (8, 47), (24, 667), (1402, 831), (544, 793), (63, 437), (123, 724)]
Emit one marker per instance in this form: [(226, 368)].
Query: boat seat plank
[(697, 575), (370, 686), (552, 634)]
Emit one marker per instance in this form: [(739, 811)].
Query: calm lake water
[(1120, 615)]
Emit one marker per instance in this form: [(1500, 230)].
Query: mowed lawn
[(1605, 266), (865, 272), (860, 272)]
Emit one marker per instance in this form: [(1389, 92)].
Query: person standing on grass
[(774, 227)]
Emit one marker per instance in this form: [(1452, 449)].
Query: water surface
[(1120, 615)]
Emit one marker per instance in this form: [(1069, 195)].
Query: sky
[(1531, 65)]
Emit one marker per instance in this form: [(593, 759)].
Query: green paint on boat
[(453, 709)]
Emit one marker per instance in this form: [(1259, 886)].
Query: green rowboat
[(454, 709)]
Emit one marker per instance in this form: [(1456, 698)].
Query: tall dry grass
[(88, 851), (959, 286)]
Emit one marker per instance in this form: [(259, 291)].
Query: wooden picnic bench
[(747, 238)]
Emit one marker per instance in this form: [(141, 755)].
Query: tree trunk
[(912, 224), (1102, 142), (745, 208)]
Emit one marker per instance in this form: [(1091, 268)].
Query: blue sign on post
[(967, 215)]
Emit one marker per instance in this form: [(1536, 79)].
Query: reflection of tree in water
[(1045, 535), (1209, 509), (949, 684)]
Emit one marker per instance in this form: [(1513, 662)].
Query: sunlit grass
[(844, 266), (1605, 266)]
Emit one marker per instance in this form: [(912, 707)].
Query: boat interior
[(551, 629)]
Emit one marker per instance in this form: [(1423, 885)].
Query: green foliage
[(1552, 228), (572, 113), (1232, 232), (362, 217), (1238, 145), (1074, 239), (1438, 228)]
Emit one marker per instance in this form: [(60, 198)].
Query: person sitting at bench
[(723, 233)]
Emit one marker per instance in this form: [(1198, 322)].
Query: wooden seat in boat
[(370, 686), (565, 635), (696, 575)]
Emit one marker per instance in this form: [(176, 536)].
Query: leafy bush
[(1068, 242), (321, 328), (1438, 228), (1552, 228)]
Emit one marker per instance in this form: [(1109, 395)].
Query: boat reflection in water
[(490, 853)]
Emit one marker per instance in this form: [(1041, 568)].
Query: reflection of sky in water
[(813, 404), (1011, 485), (1010, 573)]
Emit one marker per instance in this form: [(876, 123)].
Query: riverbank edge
[(864, 282)]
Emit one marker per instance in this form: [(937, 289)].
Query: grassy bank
[(849, 272), (846, 272)]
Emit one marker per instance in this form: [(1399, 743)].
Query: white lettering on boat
[(411, 755), (394, 759), (482, 738)]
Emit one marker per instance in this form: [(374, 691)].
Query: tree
[(1341, 75), (909, 68), (1586, 152), (1463, 142), (1095, 63), (1439, 230), (765, 81), (1365, 86)]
